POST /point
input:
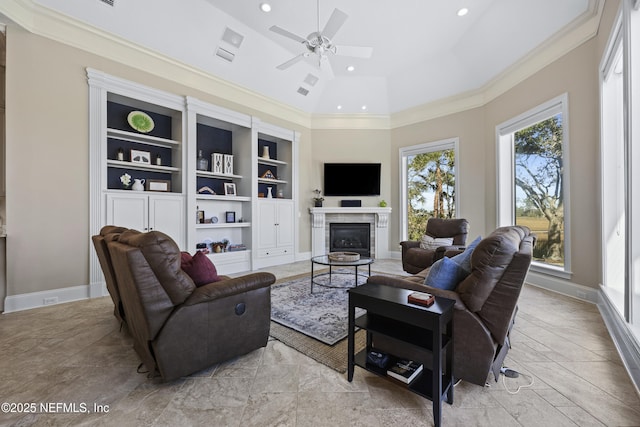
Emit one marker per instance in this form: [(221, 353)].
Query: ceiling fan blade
[(292, 61), (287, 34), (325, 67), (354, 51), (335, 22)]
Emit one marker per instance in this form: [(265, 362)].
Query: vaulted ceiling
[(422, 50)]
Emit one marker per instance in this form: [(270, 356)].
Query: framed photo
[(229, 189), (230, 216), (138, 156), (158, 185)]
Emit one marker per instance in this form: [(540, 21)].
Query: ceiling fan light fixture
[(463, 11), (265, 7)]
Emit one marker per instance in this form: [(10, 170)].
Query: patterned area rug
[(323, 314)]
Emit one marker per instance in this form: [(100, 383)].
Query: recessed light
[(463, 11), (351, 68), (339, 107), (364, 107), (265, 7)]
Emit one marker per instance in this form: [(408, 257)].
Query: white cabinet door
[(144, 212), (284, 223), (128, 210), (166, 214), (267, 233)]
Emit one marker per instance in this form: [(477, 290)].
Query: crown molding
[(48, 23), (350, 121)]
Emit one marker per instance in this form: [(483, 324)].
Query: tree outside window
[(538, 178), (430, 189)]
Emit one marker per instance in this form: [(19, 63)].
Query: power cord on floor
[(510, 373)]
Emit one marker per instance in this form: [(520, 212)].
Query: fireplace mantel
[(321, 216)]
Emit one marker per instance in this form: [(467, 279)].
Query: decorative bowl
[(344, 256)]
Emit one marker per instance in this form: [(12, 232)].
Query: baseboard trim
[(563, 287), (624, 340), (303, 256), (46, 298)]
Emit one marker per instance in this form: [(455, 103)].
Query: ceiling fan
[(320, 44)]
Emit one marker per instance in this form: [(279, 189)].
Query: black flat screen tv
[(352, 179)]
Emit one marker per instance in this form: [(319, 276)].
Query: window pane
[(430, 189), (538, 186), (613, 179)]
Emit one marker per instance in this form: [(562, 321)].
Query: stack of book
[(404, 370)]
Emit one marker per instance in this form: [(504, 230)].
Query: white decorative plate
[(140, 121)]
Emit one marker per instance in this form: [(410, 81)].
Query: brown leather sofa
[(415, 259), (178, 328), (485, 303)]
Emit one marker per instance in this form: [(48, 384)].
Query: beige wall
[(357, 146), (47, 154), (468, 127)]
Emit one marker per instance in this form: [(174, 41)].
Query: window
[(620, 185), (532, 185), (620, 174), (614, 172), (428, 185)]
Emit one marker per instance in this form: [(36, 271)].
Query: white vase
[(265, 152), (138, 185), (269, 194)]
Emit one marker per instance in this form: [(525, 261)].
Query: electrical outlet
[(50, 300)]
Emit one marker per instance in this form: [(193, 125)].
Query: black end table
[(425, 328)]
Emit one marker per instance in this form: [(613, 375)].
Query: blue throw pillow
[(464, 259), (445, 274)]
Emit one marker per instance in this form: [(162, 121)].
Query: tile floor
[(75, 353)]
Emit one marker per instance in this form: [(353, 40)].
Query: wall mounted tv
[(352, 179)]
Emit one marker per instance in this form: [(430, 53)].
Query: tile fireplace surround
[(377, 217)]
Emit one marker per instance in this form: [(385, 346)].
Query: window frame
[(427, 147), (505, 182)]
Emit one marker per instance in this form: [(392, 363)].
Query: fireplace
[(350, 237)]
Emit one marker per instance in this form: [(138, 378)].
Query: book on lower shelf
[(421, 298), (404, 370)]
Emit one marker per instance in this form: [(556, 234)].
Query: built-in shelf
[(207, 174), (221, 197), (273, 162), (141, 138), (271, 181), (141, 166), (225, 225)]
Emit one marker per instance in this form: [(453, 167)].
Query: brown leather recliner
[(415, 259), (109, 232), (485, 303), (178, 328)]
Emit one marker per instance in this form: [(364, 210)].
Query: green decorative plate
[(140, 121)]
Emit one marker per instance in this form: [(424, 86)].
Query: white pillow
[(428, 242)]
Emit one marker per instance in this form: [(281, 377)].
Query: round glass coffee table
[(325, 260)]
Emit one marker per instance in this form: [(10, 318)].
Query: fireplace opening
[(350, 237)]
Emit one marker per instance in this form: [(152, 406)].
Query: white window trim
[(443, 144), (505, 187)]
